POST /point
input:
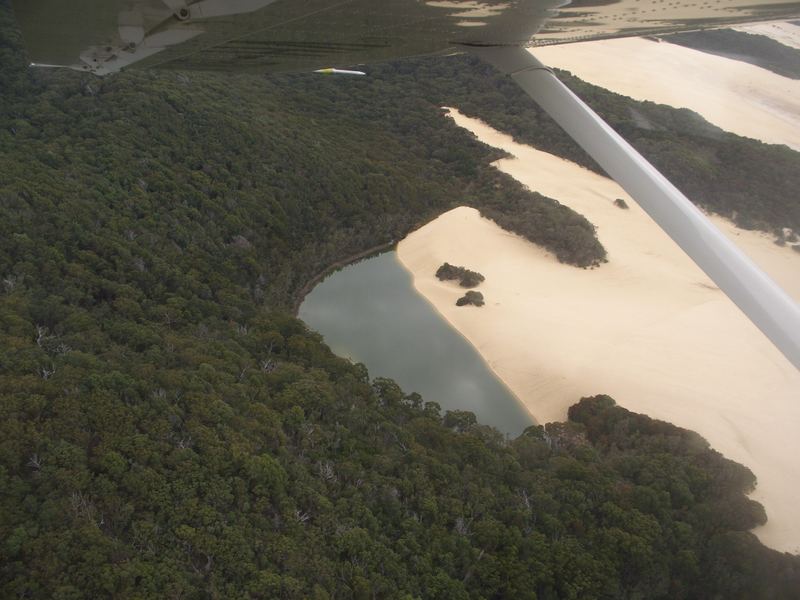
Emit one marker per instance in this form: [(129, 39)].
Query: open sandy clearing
[(648, 328), (733, 95)]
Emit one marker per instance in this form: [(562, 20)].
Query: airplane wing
[(105, 36)]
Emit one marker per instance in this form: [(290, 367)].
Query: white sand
[(648, 328), (733, 95), (785, 33)]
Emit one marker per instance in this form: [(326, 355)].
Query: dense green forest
[(758, 50), (168, 430)]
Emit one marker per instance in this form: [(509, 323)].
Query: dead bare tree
[(46, 372)]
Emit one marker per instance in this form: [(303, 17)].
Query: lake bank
[(335, 266), (370, 312), (648, 328)]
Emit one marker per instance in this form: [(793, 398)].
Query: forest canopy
[(169, 430)]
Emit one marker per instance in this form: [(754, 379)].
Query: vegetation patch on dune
[(465, 277), (471, 298)]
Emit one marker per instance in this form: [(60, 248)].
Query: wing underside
[(105, 36)]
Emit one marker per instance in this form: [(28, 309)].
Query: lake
[(370, 312)]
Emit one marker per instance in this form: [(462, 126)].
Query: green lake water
[(371, 313)]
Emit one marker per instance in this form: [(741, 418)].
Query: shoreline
[(335, 266), (433, 306), (389, 247), (351, 259)]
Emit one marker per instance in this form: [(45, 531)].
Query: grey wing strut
[(758, 296)]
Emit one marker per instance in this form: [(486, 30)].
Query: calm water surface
[(370, 313)]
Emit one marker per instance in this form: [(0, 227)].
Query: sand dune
[(735, 96), (648, 328)]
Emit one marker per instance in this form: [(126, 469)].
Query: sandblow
[(648, 328), (733, 95)]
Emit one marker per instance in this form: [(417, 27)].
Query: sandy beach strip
[(648, 328), (736, 96)]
